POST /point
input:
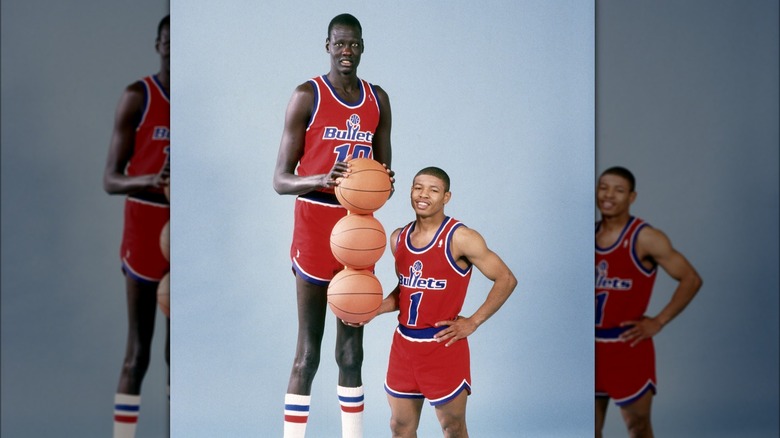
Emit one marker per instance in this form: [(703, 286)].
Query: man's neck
[(164, 76), (609, 223), (429, 224)]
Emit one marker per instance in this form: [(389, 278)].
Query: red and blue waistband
[(424, 335), (321, 197), (610, 334)]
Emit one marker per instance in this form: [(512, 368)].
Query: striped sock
[(296, 414), (126, 409), (351, 401)]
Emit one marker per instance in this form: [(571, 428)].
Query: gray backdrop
[(687, 98), (500, 94), (64, 66)]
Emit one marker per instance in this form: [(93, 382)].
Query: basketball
[(165, 241), (164, 294), (366, 188), (354, 296), (358, 241)]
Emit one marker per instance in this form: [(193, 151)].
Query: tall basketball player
[(138, 167), (329, 119), (628, 253)]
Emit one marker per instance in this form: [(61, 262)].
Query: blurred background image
[(687, 99), (63, 312)]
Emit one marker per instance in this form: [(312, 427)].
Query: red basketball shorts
[(422, 368), (142, 258), (315, 216), (624, 373)]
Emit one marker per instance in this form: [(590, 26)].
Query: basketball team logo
[(417, 281), (161, 133), (604, 282), (353, 124), (352, 133)]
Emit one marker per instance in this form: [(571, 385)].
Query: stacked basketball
[(358, 240), (164, 288)]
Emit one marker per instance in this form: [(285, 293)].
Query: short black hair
[(166, 21), (623, 173), (438, 173), (344, 20)]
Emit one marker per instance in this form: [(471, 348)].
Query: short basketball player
[(329, 119), (628, 253), (137, 166), (429, 358)]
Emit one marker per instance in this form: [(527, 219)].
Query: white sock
[(126, 409), (296, 414), (351, 401)]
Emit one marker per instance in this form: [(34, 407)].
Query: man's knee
[(401, 427), (454, 427), (350, 357), (306, 364), (136, 364), (453, 423), (639, 426)]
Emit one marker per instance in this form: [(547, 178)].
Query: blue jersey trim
[(431, 243), (316, 106), (313, 280), (610, 333), (162, 89), (426, 333), (637, 260), (146, 104), (464, 386), (631, 220), (321, 198), (343, 102), (376, 97), (397, 394), (649, 386), (128, 271), (448, 252)]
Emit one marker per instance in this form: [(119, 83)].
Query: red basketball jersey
[(623, 285), (338, 130), (152, 136), (433, 287)]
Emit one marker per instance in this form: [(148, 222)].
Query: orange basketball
[(366, 188), (354, 295), (165, 241), (358, 241), (164, 294)]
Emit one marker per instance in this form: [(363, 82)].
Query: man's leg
[(452, 416), (405, 416), (601, 413), (349, 358), (637, 416), (312, 301), (141, 309)]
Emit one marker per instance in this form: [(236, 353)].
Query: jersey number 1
[(601, 301), (414, 308)]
